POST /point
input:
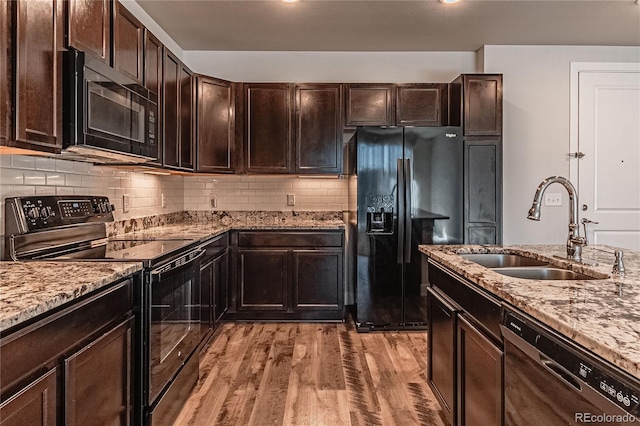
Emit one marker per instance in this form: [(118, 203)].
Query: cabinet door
[(482, 105), (215, 125), (89, 27), (207, 286), (39, 41), (421, 105), (221, 285), (128, 36), (268, 128), (317, 279), (262, 279), (483, 191), (171, 109), (98, 380), (480, 399), (441, 354), (35, 405), (369, 104), (153, 81), (318, 130), (187, 118), (6, 80)]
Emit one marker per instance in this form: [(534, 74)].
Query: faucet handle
[(584, 225)]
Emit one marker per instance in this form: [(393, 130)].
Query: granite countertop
[(603, 315), (28, 289)]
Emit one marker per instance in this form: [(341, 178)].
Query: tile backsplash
[(26, 175)]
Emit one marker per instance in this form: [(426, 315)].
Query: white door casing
[(606, 128)]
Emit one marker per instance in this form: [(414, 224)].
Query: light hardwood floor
[(312, 374)]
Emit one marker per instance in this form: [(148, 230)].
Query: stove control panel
[(28, 214)]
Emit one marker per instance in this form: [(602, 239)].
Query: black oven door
[(173, 319)]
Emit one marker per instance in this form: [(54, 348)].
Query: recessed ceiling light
[(452, 1), (289, 1)]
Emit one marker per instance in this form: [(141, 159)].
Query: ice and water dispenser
[(380, 214)]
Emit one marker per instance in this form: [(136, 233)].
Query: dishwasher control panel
[(615, 386)]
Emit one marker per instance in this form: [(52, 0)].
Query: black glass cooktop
[(129, 250)]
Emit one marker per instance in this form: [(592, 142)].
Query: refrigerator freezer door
[(379, 274)]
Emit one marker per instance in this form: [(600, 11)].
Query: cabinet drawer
[(483, 308), (290, 239), (23, 351)]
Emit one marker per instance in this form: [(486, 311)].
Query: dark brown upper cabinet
[(6, 81), (128, 38), (476, 104), (89, 27), (421, 105), (318, 129), (38, 75), (153, 81), (369, 104), (171, 109), (215, 125), (268, 118), (187, 118), (178, 117)]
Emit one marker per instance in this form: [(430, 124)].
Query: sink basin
[(500, 260), (543, 273)]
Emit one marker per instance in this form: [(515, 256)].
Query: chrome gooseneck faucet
[(574, 241)]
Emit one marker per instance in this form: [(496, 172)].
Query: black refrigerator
[(409, 192)]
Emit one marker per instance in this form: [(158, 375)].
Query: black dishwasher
[(550, 380)]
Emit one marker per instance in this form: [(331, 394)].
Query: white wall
[(343, 67), (536, 129)]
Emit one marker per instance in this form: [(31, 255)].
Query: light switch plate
[(553, 199), (214, 201), (291, 199), (163, 201), (125, 203)]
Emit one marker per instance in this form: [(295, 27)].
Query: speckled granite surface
[(602, 315), (28, 289), (194, 223), (24, 295)]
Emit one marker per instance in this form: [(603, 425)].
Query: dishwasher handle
[(540, 358)]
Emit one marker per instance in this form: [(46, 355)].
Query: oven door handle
[(177, 264)]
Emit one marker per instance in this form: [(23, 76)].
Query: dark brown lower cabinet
[(83, 374), (464, 356), (213, 287), (317, 279), (263, 279), (35, 405), (479, 377), (441, 357), (287, 275), (98, 380)]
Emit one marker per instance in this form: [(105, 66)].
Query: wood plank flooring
[(312, 374)]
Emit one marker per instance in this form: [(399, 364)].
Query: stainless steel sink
[(543, 273), (501, 260)]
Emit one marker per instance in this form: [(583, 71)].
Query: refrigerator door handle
[(407, 211), (401, 208)]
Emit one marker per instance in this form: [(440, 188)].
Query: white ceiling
[(393, 25)]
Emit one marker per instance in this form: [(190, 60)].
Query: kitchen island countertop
[(602, 315), (28, 289)]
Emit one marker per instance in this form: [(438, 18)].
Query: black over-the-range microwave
[(108, 118)]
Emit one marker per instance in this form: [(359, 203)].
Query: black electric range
[(72, 228)]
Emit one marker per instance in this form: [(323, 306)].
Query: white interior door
[(609, 172)]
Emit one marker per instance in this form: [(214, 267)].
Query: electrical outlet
[(214, 201), (553, 199), (125, 203), (163, 201), (291, 199)]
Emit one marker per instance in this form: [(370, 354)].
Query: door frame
[(574, 114)]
